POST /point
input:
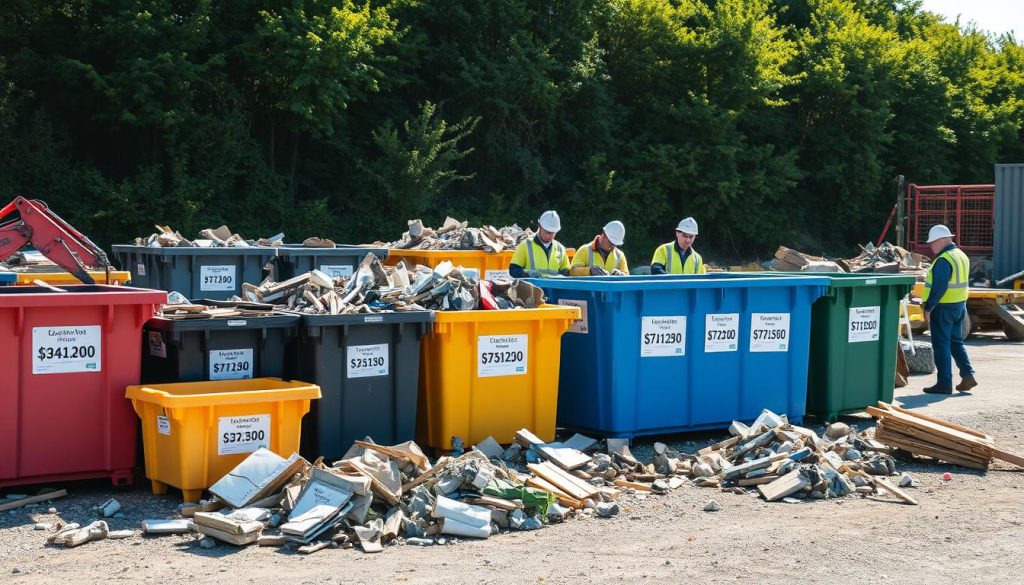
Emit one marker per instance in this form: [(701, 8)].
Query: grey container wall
[(196, 350), (292, 260), (356, 402), (1008, 239), (211, 273)]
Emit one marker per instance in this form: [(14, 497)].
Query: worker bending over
[(679, 257), (945, 308), (602, 256), (542, 255)]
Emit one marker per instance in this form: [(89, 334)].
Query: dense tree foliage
[(771, 121)]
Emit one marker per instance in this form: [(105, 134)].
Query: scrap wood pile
[(375, 288), (931, 437), (181, 309), (457, 235), (221, 237), (783, 461), (886, 258), (378, 495)]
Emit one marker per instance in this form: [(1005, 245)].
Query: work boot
[(966, 384), (936, 389)]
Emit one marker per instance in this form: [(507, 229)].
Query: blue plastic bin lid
[(7, 277)]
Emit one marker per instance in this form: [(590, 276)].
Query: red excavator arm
[(52, 236)]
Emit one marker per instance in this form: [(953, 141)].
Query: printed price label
[(63, 350), (336, 270), (163, 425), (663, 336), (473, 273), (367, 360), (242, 434), (496, 274), (864, 324), (502, 355), (579, 325), (157, 348), (217, 278), (769, 332), (721, 332), (140, 269), (230, 364)]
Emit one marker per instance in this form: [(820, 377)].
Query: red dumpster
[(67, 359)]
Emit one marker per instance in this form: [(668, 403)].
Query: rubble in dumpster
[(375, 288), (221, 237), (782, 461), (457, 235), (886, 258)]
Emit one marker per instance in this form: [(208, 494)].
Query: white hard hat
[(688, 226), (550, 221), (938, 232), (615, 231)]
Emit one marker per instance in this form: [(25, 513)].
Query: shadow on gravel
[(919, 400)]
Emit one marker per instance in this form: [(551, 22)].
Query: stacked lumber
[(941, 440)]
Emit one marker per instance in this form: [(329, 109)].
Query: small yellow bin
[(486, 264), (194, 433), (491, 373), (65, 278)]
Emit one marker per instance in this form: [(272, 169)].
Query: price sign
[(579, 325), (336, 270), (242, 434), (163, 425), (501, 355), (217, 278), (231, 364), (864, 324), (721, 332), (64, 350), (157, 347), (140, 269), (497, 274), (769, 332), (367, 360), (663, 336)]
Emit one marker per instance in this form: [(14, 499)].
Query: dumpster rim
[(159, 395)]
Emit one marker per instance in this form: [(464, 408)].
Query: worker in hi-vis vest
[(602, 256), (945, 308), (679, 257), (541, 255)]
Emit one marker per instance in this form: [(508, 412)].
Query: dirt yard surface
[(967, 530)]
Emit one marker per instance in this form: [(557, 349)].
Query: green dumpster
[(854, 337)]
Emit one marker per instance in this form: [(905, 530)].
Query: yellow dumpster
[(64, 278), (491, 373), (196, 432)]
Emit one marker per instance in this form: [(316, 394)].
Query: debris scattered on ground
[(375, 288), (938, 439), (72, 535), (109, 508), (18, 500), (457, 235), (712, 506)]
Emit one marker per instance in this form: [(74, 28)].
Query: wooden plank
[(902, 495), (569, 477), (940, 455), (719, 446), (420, 461), (757, 480), (634, 485), (33, 500), (927, 437), (500, 503), (937, 421), (566, 483), (1008, 457), (938, 429), (426, 475), (563, 498)]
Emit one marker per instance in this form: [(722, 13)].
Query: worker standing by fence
[(945, 309)]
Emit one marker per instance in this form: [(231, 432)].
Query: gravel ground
[(968, 530)]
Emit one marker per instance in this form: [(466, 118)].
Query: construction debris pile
[(791, 463), (457, 235), (886, 258), (375, 288), (221, 237), (180, 309), (938, 439)]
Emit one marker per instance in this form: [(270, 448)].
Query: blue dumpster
[(8, 278), (664, 354)]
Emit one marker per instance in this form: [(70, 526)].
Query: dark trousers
[(946, 326)]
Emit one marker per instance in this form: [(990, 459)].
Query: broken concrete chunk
[(490, 448), (837, 430), (712, 506)]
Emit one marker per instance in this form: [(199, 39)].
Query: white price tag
[(769, 332), (501, 355), (579, 325), (140, 269), (496, 274), (336, 270), (230, 364), (157, 347), (63, 350), (163, 425), (367, 360), (663, 336), (217, 277), (721, 332), (473, 273), (242, 434), (864, 324)]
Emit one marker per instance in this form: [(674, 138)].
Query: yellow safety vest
[(958, 280), (666, 254), (586, 256), (531, 255)]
